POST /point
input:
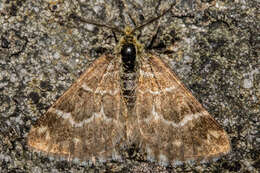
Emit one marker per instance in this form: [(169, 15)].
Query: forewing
[(84, 122), (173, 124)]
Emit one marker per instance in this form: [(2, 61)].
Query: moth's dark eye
[(128, 51)]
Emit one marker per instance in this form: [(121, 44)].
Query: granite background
[(212, 45)]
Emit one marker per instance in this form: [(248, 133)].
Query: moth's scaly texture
[(108, 109)]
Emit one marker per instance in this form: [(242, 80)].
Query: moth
[(130, 97)]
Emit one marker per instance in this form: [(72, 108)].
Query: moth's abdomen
[(128, 74), (128, 85)]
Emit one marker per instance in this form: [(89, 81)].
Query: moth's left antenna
[(113, 28)]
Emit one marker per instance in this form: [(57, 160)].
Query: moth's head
[(128, 30), (128, 34), (128, 38)]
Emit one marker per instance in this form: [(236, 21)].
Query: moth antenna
[(132, 19), (114, 34), (113, 28), (134, 22), (149, 21)]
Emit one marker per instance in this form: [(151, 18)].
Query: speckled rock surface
[(213, 46)]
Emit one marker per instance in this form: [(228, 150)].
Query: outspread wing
[(85, 121), (173, 124)]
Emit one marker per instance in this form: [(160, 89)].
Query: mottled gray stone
[(215, 53)]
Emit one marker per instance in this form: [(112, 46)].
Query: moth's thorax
[(128, 54), (129, 49)]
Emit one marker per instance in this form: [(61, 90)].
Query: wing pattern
[(173, 124), (85, 121), (90, 121)]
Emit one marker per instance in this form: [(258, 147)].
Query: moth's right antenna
[(153, 19)]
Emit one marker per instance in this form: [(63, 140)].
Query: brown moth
[(130, 97)]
